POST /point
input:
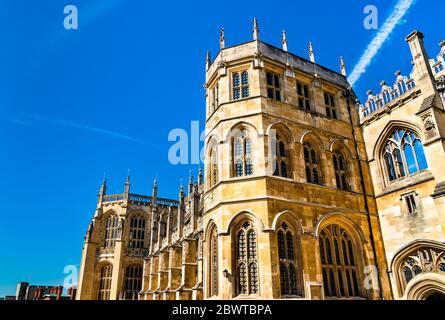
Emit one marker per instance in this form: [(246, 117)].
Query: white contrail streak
[(66, 123), (377, 42)]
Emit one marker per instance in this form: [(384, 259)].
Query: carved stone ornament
[(222, 65), (258, 60), (429, 126)]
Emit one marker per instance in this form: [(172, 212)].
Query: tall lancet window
[(288, 262), (340, 167), (242, 155), (339, 263), (312, 163), (213, 263), (137, 232), (403, 154), (214, 174), (106, 274), (111, 231), (247, 260), (282, 158), (133, 282)]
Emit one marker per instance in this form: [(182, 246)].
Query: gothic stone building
[(306, 194)]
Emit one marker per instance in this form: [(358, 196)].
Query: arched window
[(340, 170), (111, 231), (247, 260), (133, 282), (242, 155), (282, 158), (421, 261), (106, 274), (312, 164), (403, 154), (339, 263), (213, 263), (240, 83), (288, 263), (214, 174), (137, 232)]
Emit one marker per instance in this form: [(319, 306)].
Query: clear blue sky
[(102, 99)]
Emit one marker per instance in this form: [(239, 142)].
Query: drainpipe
[(347, 95)]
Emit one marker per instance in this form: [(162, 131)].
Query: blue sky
[(102, 99)]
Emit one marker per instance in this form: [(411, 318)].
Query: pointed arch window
[(214, 174), (111, 231), (247, 260), (287, 260), (421, 261), (240, 83), (133, 282), (339, 263), (137, 232), (340, 167), (106, 274), (312, 163), (403, 154), (243, 156), (282, 158), (214, 263)]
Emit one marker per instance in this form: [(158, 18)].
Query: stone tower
[(403, 126), (285, 211)]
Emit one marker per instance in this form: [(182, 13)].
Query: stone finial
[(207, 60), (190, 188), (256, 30), (127, 184), (342, 66), (382, 83), (200, 177), (398, 73), (311, 52), (284, 40), (103, 188), (222, 39), (154, 193), (442, 43), (369, 92)]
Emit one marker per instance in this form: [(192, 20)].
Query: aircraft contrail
[(377, 42)]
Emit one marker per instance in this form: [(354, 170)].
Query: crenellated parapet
[(388, 95)]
